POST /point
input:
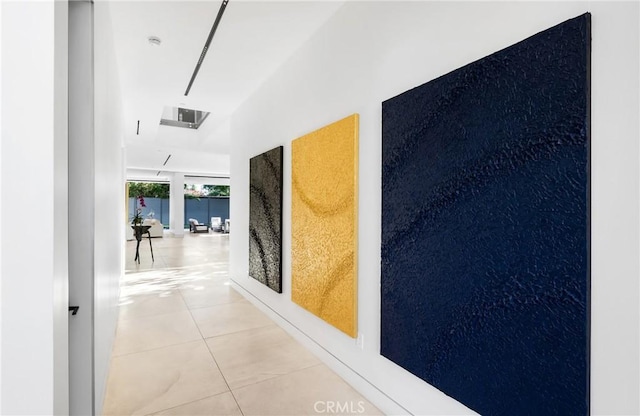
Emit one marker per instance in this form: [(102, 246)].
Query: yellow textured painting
[(324, 207)]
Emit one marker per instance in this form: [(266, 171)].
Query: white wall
[(81, 207), (96, 203), (369, 52), (61, 210), (1, 212), (176, 205), (109, 196), (34, 366), (33, 274)]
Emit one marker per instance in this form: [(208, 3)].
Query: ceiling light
[(154, 40)]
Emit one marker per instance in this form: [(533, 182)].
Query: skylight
[(183, 117)]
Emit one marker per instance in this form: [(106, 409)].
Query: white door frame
[(81, 208)]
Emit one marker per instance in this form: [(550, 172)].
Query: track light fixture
[(207, 44)]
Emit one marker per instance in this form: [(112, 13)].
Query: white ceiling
[(253, 39)]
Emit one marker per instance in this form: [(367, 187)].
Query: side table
[(138, 231)]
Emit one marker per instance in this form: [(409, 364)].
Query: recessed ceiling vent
[(183, 117)]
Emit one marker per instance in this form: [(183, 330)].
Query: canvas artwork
[(265, 218), (324, 208), (485, 228)]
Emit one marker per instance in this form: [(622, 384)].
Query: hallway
[(189, 344)]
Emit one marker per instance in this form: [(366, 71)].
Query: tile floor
[(189, 344)]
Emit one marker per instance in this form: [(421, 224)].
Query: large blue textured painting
[(485, 228), (265, 218)]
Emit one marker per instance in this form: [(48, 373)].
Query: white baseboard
[(378, 398)]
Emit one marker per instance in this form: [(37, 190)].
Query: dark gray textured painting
[(265, 218), (485, 231)]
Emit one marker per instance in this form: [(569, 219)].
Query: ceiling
[(253, 39)]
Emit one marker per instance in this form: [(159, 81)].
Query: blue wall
[(201, 209), (218, 207)]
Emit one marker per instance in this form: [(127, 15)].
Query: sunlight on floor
[(188, 344)]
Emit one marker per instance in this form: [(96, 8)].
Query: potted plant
[(137, 218)]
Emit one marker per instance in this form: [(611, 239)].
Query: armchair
[(216, 224), (196, 227)]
